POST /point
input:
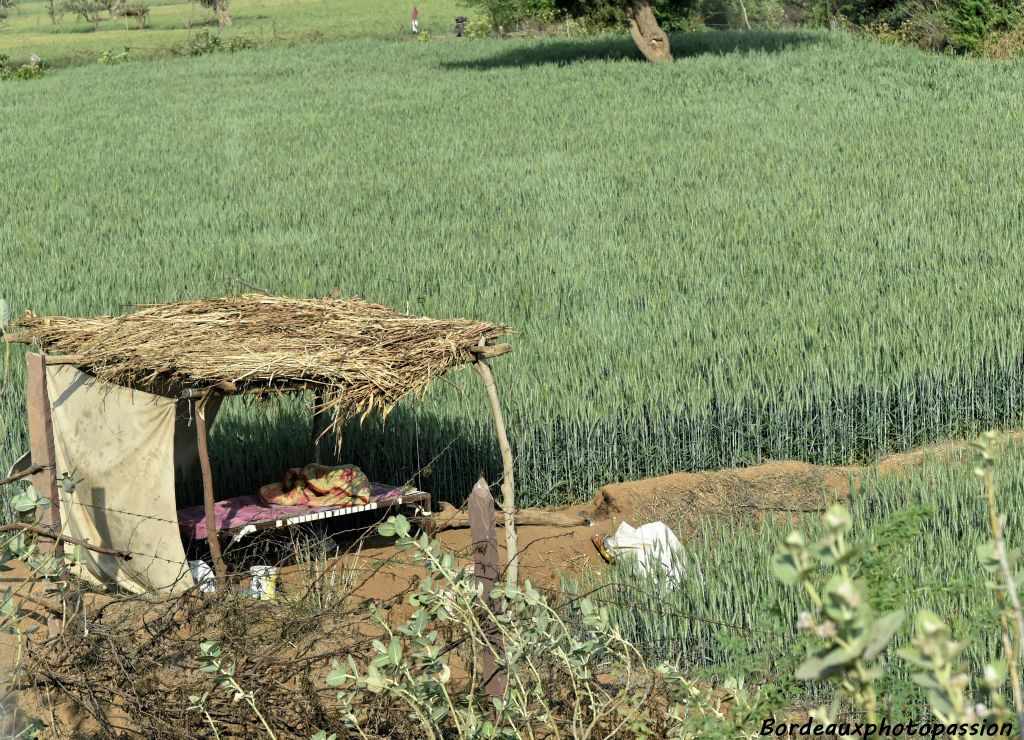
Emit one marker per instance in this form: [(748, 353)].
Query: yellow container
[(264, 582)]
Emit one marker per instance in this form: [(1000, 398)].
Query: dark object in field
[(460, 25)]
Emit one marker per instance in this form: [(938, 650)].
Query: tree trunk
[(223, 18), (646, 33)]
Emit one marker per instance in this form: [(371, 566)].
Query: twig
[(43, 532), (250, 286), (23, 474)]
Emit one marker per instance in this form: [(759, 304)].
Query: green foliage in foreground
[(783, 245), (915, 538), (558, 654)]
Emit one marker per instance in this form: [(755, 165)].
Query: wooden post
[(485, 568), (427, 515), (40, 432), (508, 482), (318, 423), (212, 536)]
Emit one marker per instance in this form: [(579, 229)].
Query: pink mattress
[(236, 512)]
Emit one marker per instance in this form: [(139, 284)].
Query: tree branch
[(43, 532), (23, 474)]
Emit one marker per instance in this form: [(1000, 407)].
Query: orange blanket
[(319, 485)]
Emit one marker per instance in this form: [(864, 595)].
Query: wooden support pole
[(23, 337), (225, 388), (508, 483), (318, 422), (44, 454), (64, 359), (485, 568), (487, 351), (212, 535)]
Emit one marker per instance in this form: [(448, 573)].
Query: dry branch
[(23, 474), (43, 532), (451, 518)]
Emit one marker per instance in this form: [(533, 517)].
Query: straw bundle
[(362, 356)]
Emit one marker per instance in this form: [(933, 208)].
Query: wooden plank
[(40, 433), (485, 567)]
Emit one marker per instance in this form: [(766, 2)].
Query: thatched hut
[(112, 401)]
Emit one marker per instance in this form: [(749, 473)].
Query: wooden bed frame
[(250, 515)]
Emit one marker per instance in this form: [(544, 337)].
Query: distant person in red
[(415, 19)]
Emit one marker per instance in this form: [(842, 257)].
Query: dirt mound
[(556, 541), (683, 498)]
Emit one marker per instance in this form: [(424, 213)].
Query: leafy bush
[(239, 43), (960, 26), (87, 10), (109, 56), (208, 42), (33, 69), (852, 638), (971, 22), (510, 14), (1006, 45), (479, 29), (6, 6), (558, 664)]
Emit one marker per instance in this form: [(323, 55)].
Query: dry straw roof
[(365, 357)]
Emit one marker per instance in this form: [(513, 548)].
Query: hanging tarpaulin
[(117, 447)]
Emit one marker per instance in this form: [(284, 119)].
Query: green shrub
[(557, 659), (33, 69), (239, 43), (479, 29), (109, 56), (971, 22), (208, 42), (960, 26), (6, 6), (204, 42), (86, 10), (511, 14)]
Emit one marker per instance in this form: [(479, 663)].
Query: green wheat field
[(784, 245)]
